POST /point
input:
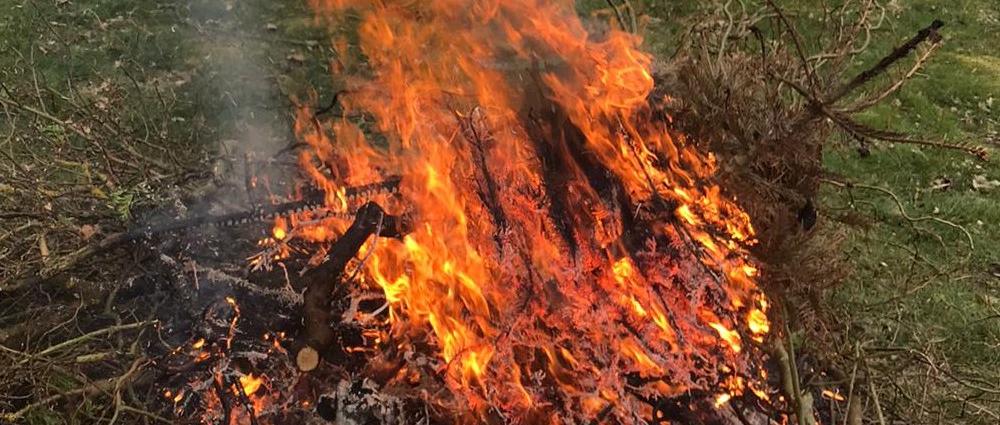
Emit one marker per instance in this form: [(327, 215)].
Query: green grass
[(113, 107), (919, 286), (951, 314), (106, 68)]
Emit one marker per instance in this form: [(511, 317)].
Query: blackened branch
[(321, 282), (897, 54)]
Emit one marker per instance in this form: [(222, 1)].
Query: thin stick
[(631, 15), (853, 411), (725, 35), (897, 54), (796, 386), (47, 116), (899, 83), (813, 81), (618, 14), (245, 401), (874, 394), (861, 132), (902, 210), (99, 387), (147, 414), (88, 336)]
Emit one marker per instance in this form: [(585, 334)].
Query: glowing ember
[(722, 399), (758, 323), (564, 238), (731, 337), (833, 395), (279, 233), (251, 383)]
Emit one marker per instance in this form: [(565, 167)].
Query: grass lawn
[(919, 296)]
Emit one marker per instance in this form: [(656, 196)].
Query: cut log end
[(307, 359)]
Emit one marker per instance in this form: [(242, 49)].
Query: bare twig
[(853, 416), (874, 394), (45, 115), (862, 132), (797, 40), (725, 34), (87, 336), (618, 15), (897, 54), (902, 210), (865, 104), (103, 386)]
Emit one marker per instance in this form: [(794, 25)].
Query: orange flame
[(528, 148)]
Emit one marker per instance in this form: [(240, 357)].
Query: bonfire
[(555, 251)]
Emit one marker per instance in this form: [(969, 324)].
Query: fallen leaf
[(88, 231), (982, 184), (43, 247), (940, 183), (98, 193)]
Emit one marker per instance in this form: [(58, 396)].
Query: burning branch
[(321, 282)]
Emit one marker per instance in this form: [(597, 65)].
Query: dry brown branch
[(67, 261), (618, 15), (873, 393), (47, 116), (151, 415), (862, 132), (322, 281), (887, 136), (853, 416), (103, 386), (930, 32), (797, 40), (844, 45), (85, 337), (894, 87)]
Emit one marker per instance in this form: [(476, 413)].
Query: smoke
[(241, 100)]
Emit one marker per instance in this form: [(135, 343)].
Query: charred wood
[(262, 213), (322, 281), (930, 32)]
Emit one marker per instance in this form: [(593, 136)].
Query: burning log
[(321, 282)]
